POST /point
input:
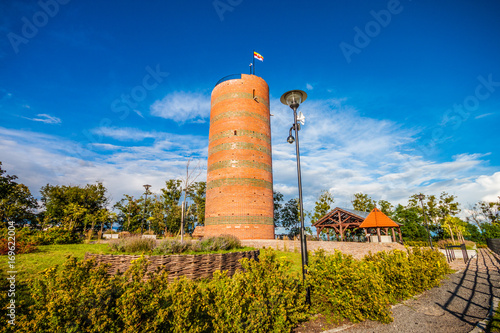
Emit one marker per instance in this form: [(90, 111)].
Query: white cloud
[(483, 115), (44, 118), (346, 153), (124, 133), (309, 86), (341, 151), (48, 159), (139, 113), (182, 107)]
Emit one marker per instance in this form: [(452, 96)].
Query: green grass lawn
[(494, 324), (294, 257), (30, 264)]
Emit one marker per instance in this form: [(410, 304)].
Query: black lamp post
[(145, 203), (293, 99), (421, 197)]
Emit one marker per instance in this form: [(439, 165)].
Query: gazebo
[(340, 220), (381, 222), (343, 219)]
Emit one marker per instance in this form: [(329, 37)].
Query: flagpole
[(253, 61)]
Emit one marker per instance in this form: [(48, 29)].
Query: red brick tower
[(239, 197)]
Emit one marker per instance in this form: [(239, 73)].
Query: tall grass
[(173, 246)]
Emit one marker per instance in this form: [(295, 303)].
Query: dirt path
[(456, 306)]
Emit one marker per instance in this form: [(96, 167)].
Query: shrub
[(19, 246), (394, 268), (55, 235), (171, 246), (428, 267), (133, 244), (262, 298), (124, 234), (416, 243), (82, 297), (50, 236), (342, 287), (219, 243), (406, 274), (469, 245)]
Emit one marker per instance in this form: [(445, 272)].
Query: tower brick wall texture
[(239, 199)]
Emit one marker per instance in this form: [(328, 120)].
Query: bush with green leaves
[(83, 297), (469, 245), (416, 243), (264, 297), (345, 288), (410, 272)]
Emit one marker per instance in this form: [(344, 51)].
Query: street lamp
[(293, 99), (421, 197), (145, 203)]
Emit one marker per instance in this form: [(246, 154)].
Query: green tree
[(436, 209), (485, 212), (363, 202), (16, 202), (473, 233), (454, 227), (157, 218), (129, 213), (431, 207), (278, 206), (171, 196), (486, 215), (385, 207), (72, 206), (411, 221), (290, 217), (490, 230), (323, 205), (197, 193)]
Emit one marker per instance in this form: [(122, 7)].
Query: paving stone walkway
[(461, 302)]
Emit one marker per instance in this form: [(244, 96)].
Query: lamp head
[(421, 197), (147, 187), (290, 139), (293, 98)]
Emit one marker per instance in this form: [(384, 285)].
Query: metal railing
[(229, 77), (494, 244), (450, 252)]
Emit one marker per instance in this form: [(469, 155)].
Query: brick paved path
[(456, 306)]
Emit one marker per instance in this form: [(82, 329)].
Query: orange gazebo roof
[(377, 219)]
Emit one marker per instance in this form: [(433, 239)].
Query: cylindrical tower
[(239, 198)]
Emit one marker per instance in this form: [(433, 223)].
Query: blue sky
[(403, 95)]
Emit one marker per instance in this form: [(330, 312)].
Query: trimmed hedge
[(345, 288)]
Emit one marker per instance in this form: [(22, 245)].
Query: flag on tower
[(258, 56)]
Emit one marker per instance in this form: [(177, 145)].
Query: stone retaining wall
[(358, 250), (193, 266)]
